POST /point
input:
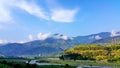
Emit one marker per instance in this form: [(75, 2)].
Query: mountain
[(54, 44), (12, 49), (16, 49), (1, 55), (90, 38), (115, 39)]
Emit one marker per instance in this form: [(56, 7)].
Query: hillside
[(52, 45), (16, 49), (115, 39), (107, 53)]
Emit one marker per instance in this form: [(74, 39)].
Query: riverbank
[(79, 62), (17, 63), (56, 63)]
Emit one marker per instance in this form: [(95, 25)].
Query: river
[(34, 62)]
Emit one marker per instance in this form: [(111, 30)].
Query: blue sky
[(25, 20)]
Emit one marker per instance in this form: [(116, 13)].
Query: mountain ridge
[(53, 44)]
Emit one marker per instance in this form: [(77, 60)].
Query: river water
[(34, 62)]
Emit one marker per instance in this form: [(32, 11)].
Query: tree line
[(97, 52)]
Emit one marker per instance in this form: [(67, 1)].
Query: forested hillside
[(107, 53)]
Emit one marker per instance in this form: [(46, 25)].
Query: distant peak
[(115, 33), (59, 36), (56, 34)]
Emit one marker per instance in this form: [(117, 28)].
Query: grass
[(13, 59), (11, 63), (34, 66), (56, 66), (81, 62), (5, 66), (16, 63)]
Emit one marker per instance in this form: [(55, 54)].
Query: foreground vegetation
[(19, 64), (80, 62), (83, 55), (95, 52), (54, 63)]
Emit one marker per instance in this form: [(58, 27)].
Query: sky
[(27, 20)]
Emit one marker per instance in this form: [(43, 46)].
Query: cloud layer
[(5, 15), (114, 33), (32, 8), (97, 37), (3, 41), (42, 36), (30, 37), (55, 14)]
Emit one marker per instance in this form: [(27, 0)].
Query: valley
[(54, 46)]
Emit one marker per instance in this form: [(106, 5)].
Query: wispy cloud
[(58, 36), (41, 36), (32, 9), (5, 15), (2, 41), (28, 6), (30, 37), (23, 41), (98, 37), (114, 33), (63, 15), (56, 14)]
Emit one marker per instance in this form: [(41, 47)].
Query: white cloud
[(5, 15), (30, 37), (32, 9), (57, 14), (28, 6), (21, 41), (58, 36), (98, 37), (41, 36), (114, 33), (63, 15), (64, 37), (3, 41), (14, 41)]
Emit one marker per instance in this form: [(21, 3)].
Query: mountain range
[(55, 44)]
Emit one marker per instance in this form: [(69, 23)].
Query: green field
[(19, 63), (79, 62)]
